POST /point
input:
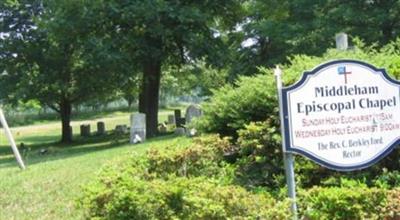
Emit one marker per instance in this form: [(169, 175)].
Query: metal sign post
[(287, 156), (11, 140)]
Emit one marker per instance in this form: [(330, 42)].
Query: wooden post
[(11, 140)]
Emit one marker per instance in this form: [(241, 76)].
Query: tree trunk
[(149, 96), (65, 113)]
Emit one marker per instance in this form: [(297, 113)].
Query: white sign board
[(344, 115)]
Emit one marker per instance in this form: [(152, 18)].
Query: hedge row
[(195, 182)]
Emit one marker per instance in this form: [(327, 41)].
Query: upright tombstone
[(177, 113), (101, 128), (341, 41), (179, 121), (193, 111), (180, 131), (138, 128), (85, 130), (121, 129)]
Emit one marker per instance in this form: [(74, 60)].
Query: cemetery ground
[(51, 184)]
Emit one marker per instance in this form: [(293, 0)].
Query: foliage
[(260, 151), (275, 30), (203, 158), (55, 58), (387, 179), (208, 78), (182, 183), (253, 99), (391, 210), (343, 203), (153, 34), (194, 79), (248, 111), (231, 107), (178, 198), (130, 89)]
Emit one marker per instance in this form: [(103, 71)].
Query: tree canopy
[(66, 53), (54, 57)]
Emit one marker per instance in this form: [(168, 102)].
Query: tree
[(130, 89), (272, 30), (156, 33), (56, 57)]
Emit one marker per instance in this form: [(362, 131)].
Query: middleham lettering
[(364, 101)]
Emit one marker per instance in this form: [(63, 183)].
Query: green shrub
[(261, 162), (248, 111), (178, 198), (154, 186), (204, 157), (253, 99), (342, 203), (391, 210), (388, 179), (232, 107)]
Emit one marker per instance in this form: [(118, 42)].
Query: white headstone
[(192, 111), (341, 41), (138, 128)]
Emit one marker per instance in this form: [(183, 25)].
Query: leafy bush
[(194, 182), (253, 99), (204, 157), (342, 203), (178, 198), (248, 111), (260, 151), (232, 107), (177, 183), (261, 164), (354, 201), (391, 211)]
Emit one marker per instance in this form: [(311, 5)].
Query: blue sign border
[(286, 118)]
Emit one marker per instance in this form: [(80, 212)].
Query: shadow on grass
[(38, 153), (38, 139)]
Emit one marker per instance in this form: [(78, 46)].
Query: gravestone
[(101, 128), (341, 41), (177, 113), (121, 129), (179, 121), (85, 130), (180, 131), (171, 119), (138, 128), (192, 112)]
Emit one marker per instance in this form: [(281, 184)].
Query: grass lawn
[(50, 186)]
